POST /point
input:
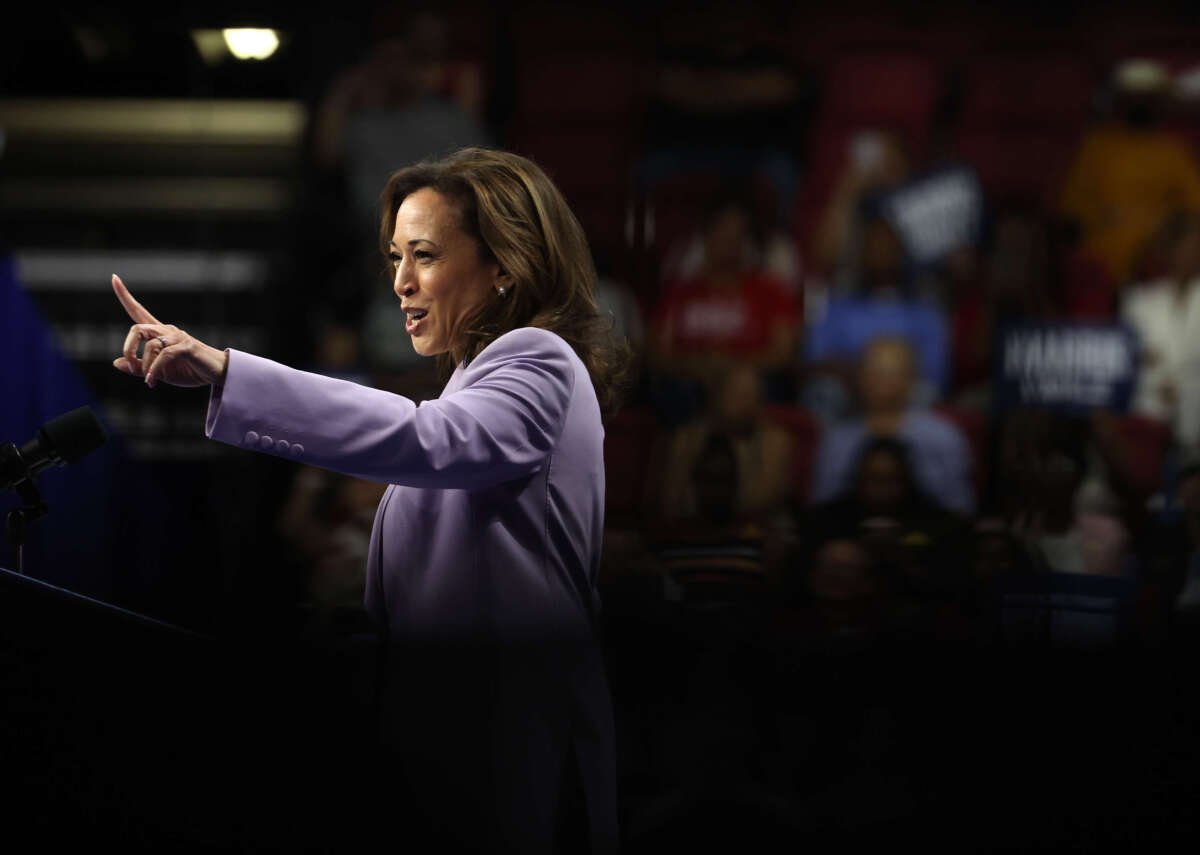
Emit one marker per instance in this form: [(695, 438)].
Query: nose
[(404, 282)]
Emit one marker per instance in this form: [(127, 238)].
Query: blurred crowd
[(817, 300)]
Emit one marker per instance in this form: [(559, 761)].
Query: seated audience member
[(1022, 274), (1044, 465), (847, 597), (983, 290), (729, 313), (877, 162), (714, 545), (1129, 175), (1165, 314), (883, 509), (761, 448), (883, 305), (941, 457), (772, 252)]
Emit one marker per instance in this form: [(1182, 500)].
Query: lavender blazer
[(489, 531)]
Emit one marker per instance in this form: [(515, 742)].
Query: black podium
[(119, 728)]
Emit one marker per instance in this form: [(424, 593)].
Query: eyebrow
[(413, 242)]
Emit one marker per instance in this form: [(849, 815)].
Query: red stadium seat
[(1021, 165), (1138, 30), (898, 89), (549, 27), (1089, 292), (591, 167), (1024, 90), (577, 157), (572, 86)]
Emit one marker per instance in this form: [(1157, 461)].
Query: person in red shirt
[(730, 312)]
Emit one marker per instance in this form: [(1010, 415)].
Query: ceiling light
[(251, 43)]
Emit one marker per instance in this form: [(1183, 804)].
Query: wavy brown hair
[(521, 221)]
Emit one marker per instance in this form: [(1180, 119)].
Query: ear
[(501, 278)]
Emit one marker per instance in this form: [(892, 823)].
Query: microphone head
[(72, 435)]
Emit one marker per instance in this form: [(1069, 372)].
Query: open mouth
[(414, 319)]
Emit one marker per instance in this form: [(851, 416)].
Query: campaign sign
[(1066, 366), (936, 213)]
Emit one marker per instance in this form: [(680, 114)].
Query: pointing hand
[(170, 354)]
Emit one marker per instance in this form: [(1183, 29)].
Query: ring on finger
[(162, 341)]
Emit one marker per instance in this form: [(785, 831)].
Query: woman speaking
[(495, 713)]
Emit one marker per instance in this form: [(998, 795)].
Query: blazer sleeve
[(501, 422)]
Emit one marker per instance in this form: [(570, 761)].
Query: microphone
[(62, 440)]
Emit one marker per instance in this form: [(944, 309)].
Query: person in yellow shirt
[(1129, 175)]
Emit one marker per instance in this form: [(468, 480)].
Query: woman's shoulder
[(528, 349), (528, 343)]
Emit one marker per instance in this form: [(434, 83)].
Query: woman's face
[(438, 270)]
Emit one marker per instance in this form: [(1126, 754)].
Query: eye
[(422, 254), (395, 258)]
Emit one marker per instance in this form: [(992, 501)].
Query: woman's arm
[(501, 423)]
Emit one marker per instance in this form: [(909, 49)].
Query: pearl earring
[(502, 291)]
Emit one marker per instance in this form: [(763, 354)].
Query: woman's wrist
[(218, 365)]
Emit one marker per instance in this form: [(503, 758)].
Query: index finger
[(133, 308)]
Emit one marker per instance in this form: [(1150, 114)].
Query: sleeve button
[(282, 446), (266, 442), (297, 449), (251, 438)]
